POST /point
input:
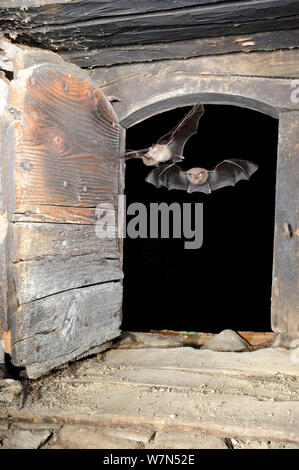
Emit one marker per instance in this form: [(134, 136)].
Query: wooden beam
[(183, 82), (157, 423), (271, 64), (107, 56), (16, 57), (67, 11), (75, 26)]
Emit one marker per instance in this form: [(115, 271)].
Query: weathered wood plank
[(285, 292), (63, 132), (50, 27), (264, 430), (63, 141), (15, 57), (265, 41), (178, 83), (54, 330), (36, 279), (40, 240), (264, 387), (7, 288), (281, 390), (134, 340), (204, 361), (244, 400), (71, 10), (3, 210), (272, 64), (7, 54), (54, 214)]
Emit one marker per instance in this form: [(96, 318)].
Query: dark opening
[(227, 282)]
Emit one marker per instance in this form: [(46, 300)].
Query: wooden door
[(62, 282)]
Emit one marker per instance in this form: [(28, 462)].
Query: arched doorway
[(160, 87), (227, 282)]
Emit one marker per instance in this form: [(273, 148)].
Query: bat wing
[(187, 127), (229, 172), (170, 176), (129, 154), (226, 173)]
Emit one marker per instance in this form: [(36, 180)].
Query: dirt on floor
[(156, 398)]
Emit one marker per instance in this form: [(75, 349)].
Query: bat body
[(171, 145), (226, 173)]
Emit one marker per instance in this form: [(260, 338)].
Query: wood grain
[(80, 26), (15, 57), (4, 223), (34, 241), (183, 83), (265, 41), (3, 210), (54, 214), (64, 141), (54, 330), (67, 10), (37, 279), (205, 361), (165, 424), (135, 340), (240, 395), (285, 292)]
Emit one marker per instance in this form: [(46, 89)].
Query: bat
[(171, 145), (226, 173)]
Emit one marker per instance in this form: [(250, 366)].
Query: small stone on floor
[(182, 440), (227, 341), (25, 439), (9, 391)]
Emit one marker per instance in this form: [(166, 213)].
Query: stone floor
[(153, 398)]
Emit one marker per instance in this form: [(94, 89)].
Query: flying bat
[(226, 173), (171, 145)]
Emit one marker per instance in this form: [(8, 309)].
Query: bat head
[(158, 153), (197, 175)]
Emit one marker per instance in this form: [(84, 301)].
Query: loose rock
[(128, 433), (227, 340), (181, 440), (9, 391), (25, 439), (81, 437)]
